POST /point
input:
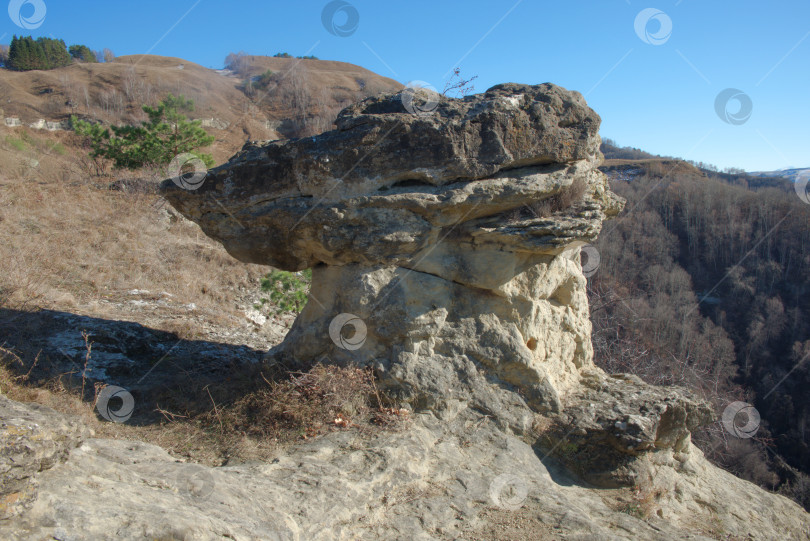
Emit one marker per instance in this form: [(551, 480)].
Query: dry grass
[(114, 92), (68, 243), (309, 403), (642, 501), (17, 386), (263, 410), (254, 416)]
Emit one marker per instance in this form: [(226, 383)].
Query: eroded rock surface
[(32, 439), (440, 479), (611, 423), (387, 184), (428, 227)]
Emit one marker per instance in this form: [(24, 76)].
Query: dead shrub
[(249, 415), (643, 500), (306, 404)]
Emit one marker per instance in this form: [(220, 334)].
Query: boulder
[(382, 187), (611, 423)]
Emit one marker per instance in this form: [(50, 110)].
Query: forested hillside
[(612, 151), (704, 283)]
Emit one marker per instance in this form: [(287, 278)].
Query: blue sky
[(658, 94)]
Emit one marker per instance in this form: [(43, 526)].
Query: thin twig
[(168, 414), (216, 410), (373, 382), (89, 346)]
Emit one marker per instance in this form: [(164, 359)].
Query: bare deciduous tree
[(238, 63)]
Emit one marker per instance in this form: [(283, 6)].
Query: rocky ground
[(458, 477)]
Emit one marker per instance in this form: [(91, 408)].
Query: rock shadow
[(157, 368)]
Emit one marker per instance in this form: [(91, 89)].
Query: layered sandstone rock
[(444, 237), (383, 187), (416, 217)]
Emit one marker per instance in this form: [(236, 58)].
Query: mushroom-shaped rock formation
[(444, 237)]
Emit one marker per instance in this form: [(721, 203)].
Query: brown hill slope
[(308, 94), (303, 95)]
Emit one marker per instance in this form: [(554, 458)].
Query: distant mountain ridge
[(792, 174)]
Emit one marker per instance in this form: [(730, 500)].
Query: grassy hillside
[(304, 95), (101, 252), (71, 235)]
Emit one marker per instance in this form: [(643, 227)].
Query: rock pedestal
[(444, 237)]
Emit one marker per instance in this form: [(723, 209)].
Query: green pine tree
[(167, 133), (56, 53), (20, 55), (15, 53), (25, 54), (82, 53), (39, 57)]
